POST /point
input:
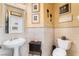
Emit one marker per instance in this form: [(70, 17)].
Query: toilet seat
[(59, 52)]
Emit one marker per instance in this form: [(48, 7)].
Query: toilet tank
[(65, 44)]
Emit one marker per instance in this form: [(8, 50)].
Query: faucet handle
[(15, 38)]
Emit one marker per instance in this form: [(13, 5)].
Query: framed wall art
[(65, 18), (35, 18), (65, 8), (35, 7)]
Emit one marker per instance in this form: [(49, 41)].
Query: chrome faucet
[(13, 38)]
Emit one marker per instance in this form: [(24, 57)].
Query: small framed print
[(35, 18), (65, 8), (65, 18), (35, 7)]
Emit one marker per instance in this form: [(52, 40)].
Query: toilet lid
[(59, 52)]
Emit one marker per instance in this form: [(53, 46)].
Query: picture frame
[(35, 7), (66, 8), (35, 18), (65, 18)]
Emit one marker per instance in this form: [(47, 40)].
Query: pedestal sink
[(14, 43)]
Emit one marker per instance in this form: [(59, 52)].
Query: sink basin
[(15, 43)]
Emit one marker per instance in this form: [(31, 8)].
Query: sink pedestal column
[(16, 51)]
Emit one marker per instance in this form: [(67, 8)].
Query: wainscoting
[(45, 35)]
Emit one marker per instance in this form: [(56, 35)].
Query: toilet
[(63, 46)]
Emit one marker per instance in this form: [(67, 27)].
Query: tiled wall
[(2, 35), (48, 40), (45, 35), (73, 35), (4, 51)]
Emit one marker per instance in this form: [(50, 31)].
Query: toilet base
[(59, 52)]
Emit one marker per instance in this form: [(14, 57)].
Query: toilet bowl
[(59, 52), (63, 46)]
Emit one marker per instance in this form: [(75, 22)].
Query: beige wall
[(17, 5), (29, 16), (74, 13), (47, 22), (44, 20), (1, 15), (68, 29), (54, 9)]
